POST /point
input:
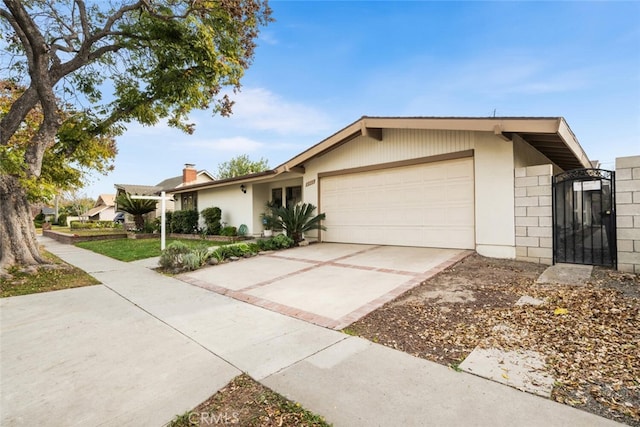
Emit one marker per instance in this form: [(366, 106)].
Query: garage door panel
[(422, 205)]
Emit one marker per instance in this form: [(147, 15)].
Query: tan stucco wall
[(525, 155), (236, 206), (493, 159)]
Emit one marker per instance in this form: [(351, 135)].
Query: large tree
[(154, 58), (241, 165)]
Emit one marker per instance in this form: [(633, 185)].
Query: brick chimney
[(189, 173)]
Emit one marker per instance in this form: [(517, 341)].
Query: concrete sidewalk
[(144, 347)]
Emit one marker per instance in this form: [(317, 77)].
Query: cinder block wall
[(534, 227), (628, 213)]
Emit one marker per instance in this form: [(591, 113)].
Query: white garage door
[(429, 205)]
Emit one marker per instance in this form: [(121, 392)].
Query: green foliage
[(283, 242), (62, 219), (172, 256), (298, 219), (238, 250), (158, 59), (179, 256), (274, 243), (268, 217), (212, 218), (40, 217), (148, 227), (243, 230), (241, 165), (184, 222), (91, 225), (76, 151), (135, 207), (169, 222), (229, 231)]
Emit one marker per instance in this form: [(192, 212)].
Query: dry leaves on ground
[(590, 334)]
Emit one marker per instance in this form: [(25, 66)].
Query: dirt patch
[(588, 334), (246, 402)]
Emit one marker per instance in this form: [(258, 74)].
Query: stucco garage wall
[(236, 206), (494, 196), (525, 155)]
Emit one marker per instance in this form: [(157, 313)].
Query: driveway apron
[(329, 284)]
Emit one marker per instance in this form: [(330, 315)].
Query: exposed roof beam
[(375, 133)]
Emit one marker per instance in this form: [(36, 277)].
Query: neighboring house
[(49, 213), (424, 181), (190, 176), (103, 210)]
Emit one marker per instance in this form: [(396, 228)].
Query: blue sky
[(322, 65)]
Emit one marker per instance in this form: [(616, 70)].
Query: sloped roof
[(170, 183), (549, 135), (106, 199), (96, 210), (140, 190)]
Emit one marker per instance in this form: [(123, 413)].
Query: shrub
[(37, 224), (185, 222), (179, 256), (243, 230), (274, 243), (195, 258), (148, 227), (62, 220), (212, 217), (169, 221), (229, 231), (40, 217), (172, 256), (282, 242), (91, 225), (297, 219)]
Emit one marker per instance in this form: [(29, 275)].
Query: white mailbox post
[(163, 218)]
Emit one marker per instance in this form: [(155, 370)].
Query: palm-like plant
[(135, 207), (299, 218)]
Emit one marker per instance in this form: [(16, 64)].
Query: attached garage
[(444, 182), (425, 204)]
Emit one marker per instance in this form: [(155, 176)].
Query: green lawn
[(134, 249)]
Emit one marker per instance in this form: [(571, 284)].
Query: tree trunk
[(18, 243)]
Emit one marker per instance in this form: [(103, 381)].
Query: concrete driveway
[(329, 284)]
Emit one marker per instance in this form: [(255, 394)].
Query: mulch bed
[(589, 334)]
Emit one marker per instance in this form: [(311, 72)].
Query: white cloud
[(233, 144), (261, 109)]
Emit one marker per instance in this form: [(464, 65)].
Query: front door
[(584, 220)]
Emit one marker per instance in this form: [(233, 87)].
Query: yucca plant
[(135, 207), (298, 219)]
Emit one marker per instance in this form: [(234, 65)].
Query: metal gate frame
[(571, 198)]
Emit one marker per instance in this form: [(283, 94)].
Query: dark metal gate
[(584, 220)]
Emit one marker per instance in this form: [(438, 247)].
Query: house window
[(276, 196), (189, 201), (294, 195)]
